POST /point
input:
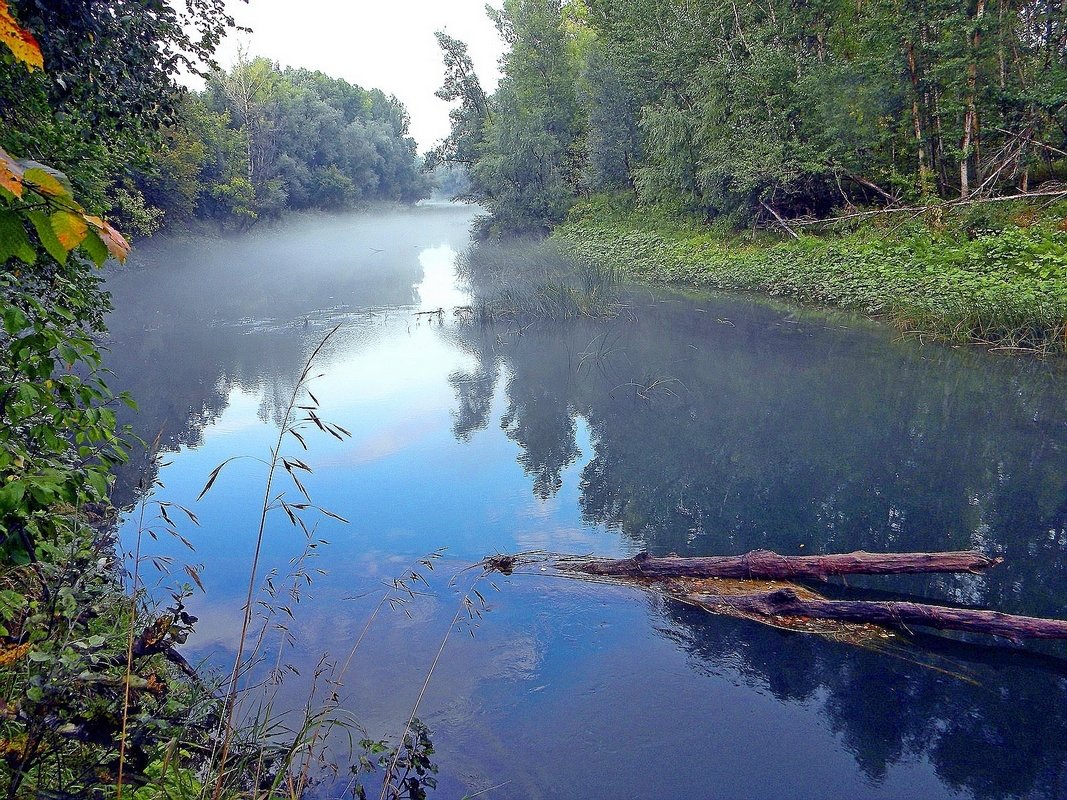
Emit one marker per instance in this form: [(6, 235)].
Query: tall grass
[(528, 280), (107, 707)]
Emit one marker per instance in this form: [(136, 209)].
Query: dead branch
[(781, 221)]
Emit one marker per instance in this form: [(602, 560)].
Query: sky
[(387, 45)]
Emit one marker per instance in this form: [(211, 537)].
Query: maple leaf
[(19, 40)]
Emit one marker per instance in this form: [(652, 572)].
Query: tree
[(523, 147), (472, 114), (57, 438), (110, 85)]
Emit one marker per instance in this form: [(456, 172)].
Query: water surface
[(690, 424)]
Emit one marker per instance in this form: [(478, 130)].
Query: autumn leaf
[(19, 40), (9, 655), (46, 180), (10, 172), (69, 228), (116, 243)]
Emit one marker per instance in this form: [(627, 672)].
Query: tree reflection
[(786, 433), (974, 720), (474, 397)]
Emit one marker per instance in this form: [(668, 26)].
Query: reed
[(528, 280)]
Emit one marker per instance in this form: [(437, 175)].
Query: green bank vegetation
[(978, 275)]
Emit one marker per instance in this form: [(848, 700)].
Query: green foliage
[(461, 146), (1007, 287), (408, 768), (744, 111), (64, 668), (523, 147), (109, 86), (58, 436), (261, 140)]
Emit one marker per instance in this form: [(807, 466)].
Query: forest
[(256, 141), (744, 111), (900, 159)]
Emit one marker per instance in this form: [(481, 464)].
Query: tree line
[(261, 140), (744, 110), (258, 140)]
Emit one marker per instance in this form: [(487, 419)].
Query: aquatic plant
[(531, 280), (1003, 286)]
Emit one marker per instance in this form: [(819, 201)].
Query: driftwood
[(787, 603), (769, 565), (739, 586)]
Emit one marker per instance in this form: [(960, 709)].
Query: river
[(695, 424)]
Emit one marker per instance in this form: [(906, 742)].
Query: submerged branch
[(787, 603)]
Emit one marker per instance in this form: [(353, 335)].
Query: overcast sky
[(388, 44)]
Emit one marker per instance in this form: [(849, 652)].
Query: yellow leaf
[(45, 182), (10, 172), (19, 40), (69, 228), (116, 243), (9, 655)]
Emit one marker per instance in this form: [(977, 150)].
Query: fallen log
[(787, 603), (768, 565), (745, 586)]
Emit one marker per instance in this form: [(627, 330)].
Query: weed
[(526, 280), (980, 278)]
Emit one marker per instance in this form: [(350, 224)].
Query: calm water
[(697, 425)]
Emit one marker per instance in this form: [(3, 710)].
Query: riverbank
[(998, 279)]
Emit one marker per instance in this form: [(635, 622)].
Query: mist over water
[(690, 424)]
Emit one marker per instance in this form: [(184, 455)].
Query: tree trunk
[(969, 143), (738, 585), (768, 565), (786, 602), (916, 118)]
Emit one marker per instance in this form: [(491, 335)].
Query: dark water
[(696, 425)]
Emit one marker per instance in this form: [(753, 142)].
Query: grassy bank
[(989, 275)]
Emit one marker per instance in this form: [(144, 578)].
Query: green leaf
[(98, 481), (14, 320), (48, 236), (11, 496), (14, 243), (94, 247)]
